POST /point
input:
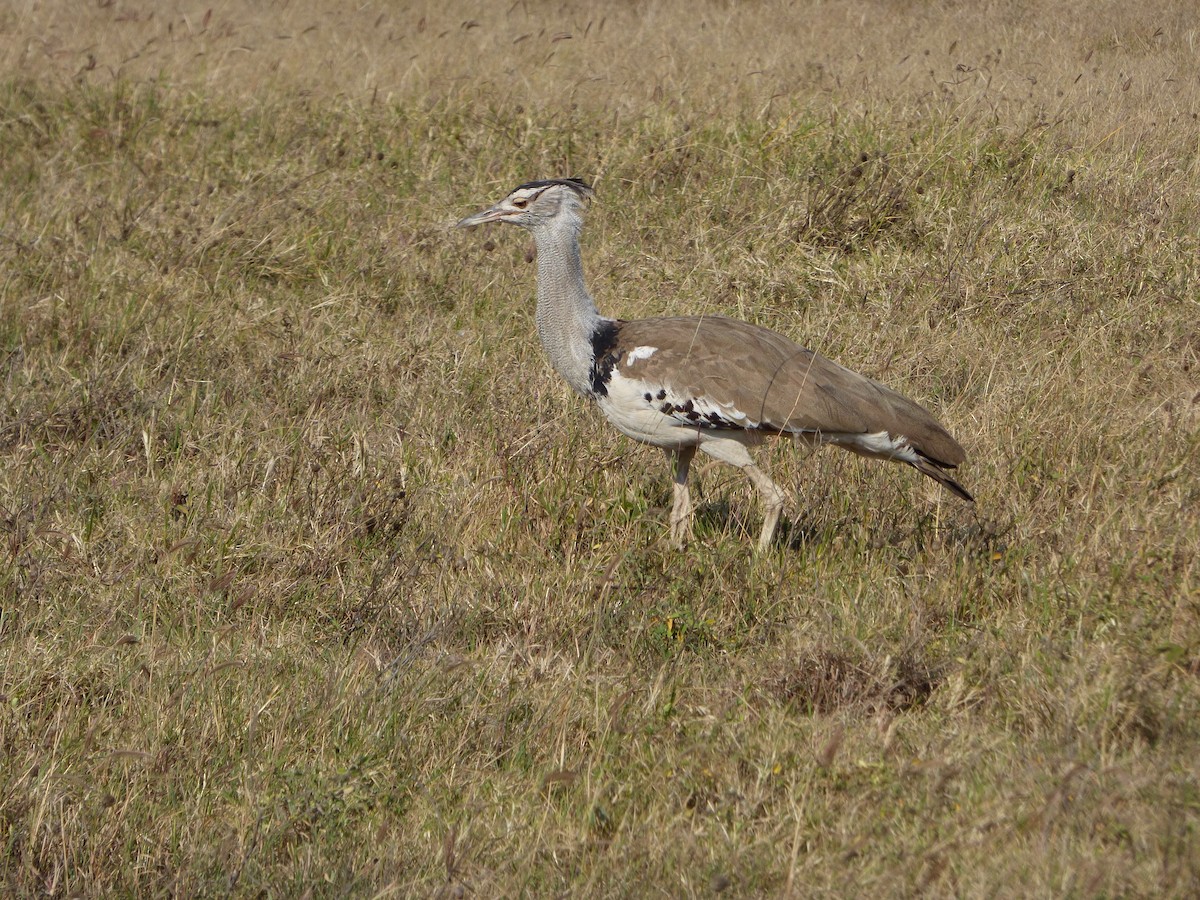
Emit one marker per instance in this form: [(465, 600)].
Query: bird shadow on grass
[(720, 518), (970, 535)]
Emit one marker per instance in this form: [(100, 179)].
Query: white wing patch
[(640, 353), (880, 443)]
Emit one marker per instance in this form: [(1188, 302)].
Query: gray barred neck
[(567, 318)]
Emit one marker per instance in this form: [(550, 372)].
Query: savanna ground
[(317, 581)]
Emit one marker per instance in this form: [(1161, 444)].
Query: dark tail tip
[(958, 490), (926, 467)]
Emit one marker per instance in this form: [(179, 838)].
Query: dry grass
[(316, 581)]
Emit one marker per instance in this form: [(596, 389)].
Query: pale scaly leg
[(772, 499), (734, 452), (681, 510)]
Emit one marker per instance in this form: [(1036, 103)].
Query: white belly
[(648, 425)]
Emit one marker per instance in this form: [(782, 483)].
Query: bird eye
[(520, 203)]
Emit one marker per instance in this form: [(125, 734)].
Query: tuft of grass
[(316, 581)]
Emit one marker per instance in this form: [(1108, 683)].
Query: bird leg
[(681, 510), (734, 452), (772, 500)]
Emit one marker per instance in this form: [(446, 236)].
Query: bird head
[(535, 203)]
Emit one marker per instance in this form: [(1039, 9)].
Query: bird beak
[(493, 214)]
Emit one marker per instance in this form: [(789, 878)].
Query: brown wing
[(775, 382)]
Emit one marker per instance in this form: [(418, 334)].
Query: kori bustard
[(706, 382)]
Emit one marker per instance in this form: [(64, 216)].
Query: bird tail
[(926, 466)]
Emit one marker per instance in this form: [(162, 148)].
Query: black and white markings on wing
[(686, 410), (649, 411), (697, 411)]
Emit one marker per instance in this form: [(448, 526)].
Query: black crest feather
[(578, 185)]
